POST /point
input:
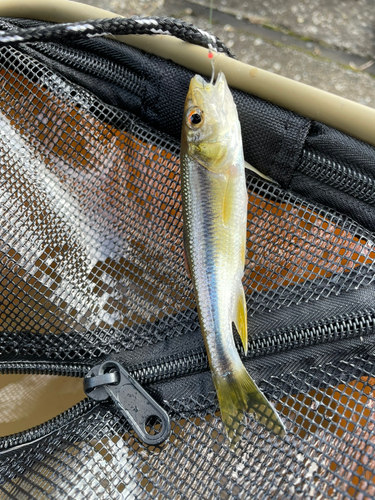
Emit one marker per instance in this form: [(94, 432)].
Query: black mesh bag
[(93, 282)]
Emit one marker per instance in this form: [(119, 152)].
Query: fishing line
[(211, 56)]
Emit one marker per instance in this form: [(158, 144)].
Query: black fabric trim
[(319, 192)]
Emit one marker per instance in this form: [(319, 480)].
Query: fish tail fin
[(238, 394)]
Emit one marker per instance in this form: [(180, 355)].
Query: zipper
[(337, 175), (148, 419), (165, 369), (9, 443), (40, 368), (276, 342), (96, 66)]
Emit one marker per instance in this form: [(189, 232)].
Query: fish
[(214, 208)]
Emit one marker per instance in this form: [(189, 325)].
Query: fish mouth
[(199, 82), (200, 90), (197, 91)]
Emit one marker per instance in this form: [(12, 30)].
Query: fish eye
[(195, 117)]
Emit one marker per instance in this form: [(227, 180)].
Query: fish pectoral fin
[(238, 394), (263, 176), (240, 316)]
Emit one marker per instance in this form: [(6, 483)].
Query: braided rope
[(117, 26)]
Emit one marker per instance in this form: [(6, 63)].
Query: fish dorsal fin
[(240, 316)]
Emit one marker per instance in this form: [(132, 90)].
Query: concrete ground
[(328, 44)]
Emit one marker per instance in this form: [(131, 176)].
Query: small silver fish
[(214, 197)]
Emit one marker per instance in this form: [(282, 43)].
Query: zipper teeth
[(171, 367), (338, 176), (56, 423), (285, 340), (25, 367), (318, 334), (110, 71), (197, 361)]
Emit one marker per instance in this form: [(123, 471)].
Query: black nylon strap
[(116, 26)]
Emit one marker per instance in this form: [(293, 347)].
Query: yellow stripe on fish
[(214, 198)]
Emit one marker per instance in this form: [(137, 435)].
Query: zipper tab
[(147, 418)]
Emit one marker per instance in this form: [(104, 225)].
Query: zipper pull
[(110, 379)]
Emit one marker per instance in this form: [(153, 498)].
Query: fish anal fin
[(240, 316), (238, 394)]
